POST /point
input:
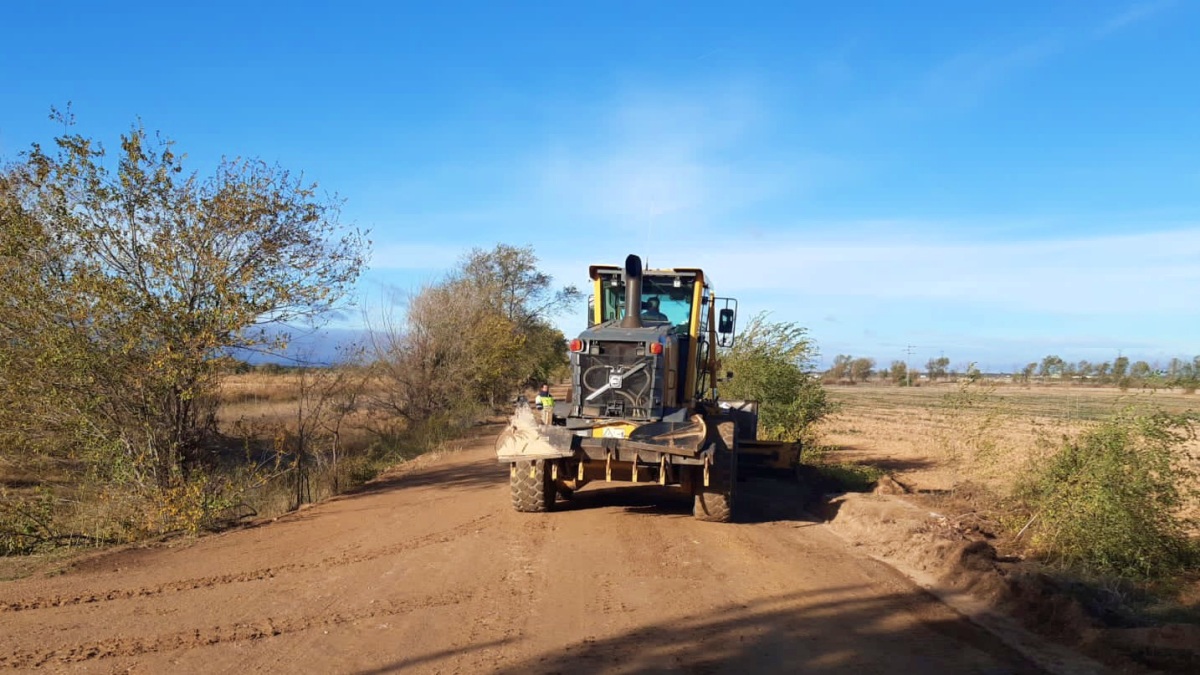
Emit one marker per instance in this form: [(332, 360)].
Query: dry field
[(935, 437), (258, 396), (262, 402)]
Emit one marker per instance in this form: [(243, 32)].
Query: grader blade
[(673, 437), (525, 439)]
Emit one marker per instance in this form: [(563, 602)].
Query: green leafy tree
[(841, 369), (1120, 367), (1028, 371), (1051, 366), (145, 273), (861, 369), (1175, 367), (507, 278), (506, 281), (1184, 374), (1084, 368), (773, 364), (1140, 370), (937, 367), (474, 338)]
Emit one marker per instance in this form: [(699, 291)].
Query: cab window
[(673, 295)]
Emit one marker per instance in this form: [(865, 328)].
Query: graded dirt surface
[(430, 570)]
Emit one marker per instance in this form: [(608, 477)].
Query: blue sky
[(991, 181)]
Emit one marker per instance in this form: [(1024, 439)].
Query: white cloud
[(685, 180), (667, 163), (962, 80), (1137, 12), (1106, 275)]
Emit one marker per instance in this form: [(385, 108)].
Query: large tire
[(713, 506), (714, 503), (532, 486)]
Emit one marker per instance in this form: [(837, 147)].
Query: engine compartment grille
[(616, 381)]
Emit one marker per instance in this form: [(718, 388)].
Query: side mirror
[(725, 323)]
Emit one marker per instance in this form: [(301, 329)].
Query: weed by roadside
[(848, 477), (1111, 501)]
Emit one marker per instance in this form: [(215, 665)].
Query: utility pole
[(908, 352)]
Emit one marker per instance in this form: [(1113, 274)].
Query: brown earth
[(429, 570)]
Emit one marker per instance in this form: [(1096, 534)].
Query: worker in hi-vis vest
[(545, 403)]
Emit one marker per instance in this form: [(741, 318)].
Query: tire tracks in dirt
[(508, 601), (342, 559), (215, 635)]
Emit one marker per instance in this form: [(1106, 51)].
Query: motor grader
[(644, 403)]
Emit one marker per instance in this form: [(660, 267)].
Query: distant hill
[(305, 345)]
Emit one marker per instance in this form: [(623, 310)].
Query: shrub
[(773, 364), (1109, 502), (848, 477)]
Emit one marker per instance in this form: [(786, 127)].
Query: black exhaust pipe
[(633, 292)]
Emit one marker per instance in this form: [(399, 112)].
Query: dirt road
[(431, 571)]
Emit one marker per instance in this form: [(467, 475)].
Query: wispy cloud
[(858, 290), (702, 178), (651, 160), (1108, 275), (661, 162), (1135, 13), (962, 80)]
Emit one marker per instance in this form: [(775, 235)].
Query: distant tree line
[(1121, 372), (1178, 373)]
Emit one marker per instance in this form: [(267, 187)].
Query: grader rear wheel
[(532, 486)]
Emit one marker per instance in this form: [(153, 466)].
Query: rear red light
[(576, 345), (656, 348)]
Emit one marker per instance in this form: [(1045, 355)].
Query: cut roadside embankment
[(1016, 600)]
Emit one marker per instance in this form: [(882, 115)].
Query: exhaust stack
[(633, 292)]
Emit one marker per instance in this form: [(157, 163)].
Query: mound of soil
[(957, 562)]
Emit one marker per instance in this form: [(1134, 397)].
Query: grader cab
[(644, 403)]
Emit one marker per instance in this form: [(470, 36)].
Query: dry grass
[(263, 412), (260, 387), (966, 450), (267, 400), (930, 438)]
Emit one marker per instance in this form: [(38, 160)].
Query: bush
[(772, 364), (847, 477), (1109, 502)]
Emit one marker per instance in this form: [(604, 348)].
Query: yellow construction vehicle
[(644, 404)]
